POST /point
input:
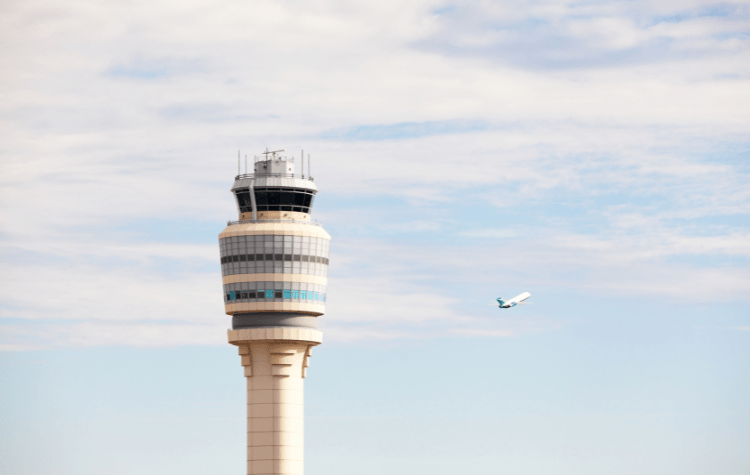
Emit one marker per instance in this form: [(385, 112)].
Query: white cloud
[(118, 116)]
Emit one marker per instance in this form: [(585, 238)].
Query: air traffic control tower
[(274, 262)]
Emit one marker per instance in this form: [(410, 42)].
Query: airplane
[(514, 301)]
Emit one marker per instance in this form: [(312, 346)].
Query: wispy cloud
[(404, 131), (545, 35), (457, 147)]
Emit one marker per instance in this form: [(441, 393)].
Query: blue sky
[(595, 154)]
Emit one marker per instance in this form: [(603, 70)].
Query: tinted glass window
[(243, 199), (283, 199), (287, 197), (273, 197)]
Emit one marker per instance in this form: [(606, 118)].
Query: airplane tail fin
[(501, 301)]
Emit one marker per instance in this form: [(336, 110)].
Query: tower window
[(243, 199), (276, 199)]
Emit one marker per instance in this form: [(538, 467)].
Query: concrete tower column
[(275, 362)]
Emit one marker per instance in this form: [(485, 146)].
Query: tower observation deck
[(274, 263)]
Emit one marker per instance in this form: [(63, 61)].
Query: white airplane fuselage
[(514, 301)]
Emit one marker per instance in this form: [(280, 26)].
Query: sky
[(594, 154)]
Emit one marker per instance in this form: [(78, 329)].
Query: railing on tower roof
[(274, 175), (294, 221)]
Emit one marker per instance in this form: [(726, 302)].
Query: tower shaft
[(275, 361)]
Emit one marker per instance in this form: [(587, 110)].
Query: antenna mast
[(273, 153)]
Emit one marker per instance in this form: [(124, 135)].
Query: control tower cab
[(274, 260)]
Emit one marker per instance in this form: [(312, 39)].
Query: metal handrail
[(272, 175), (293, 221)]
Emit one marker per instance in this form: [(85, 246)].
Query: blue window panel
[(287, 294), (295, 294), (303, 294), (269, 294), (317, 296), (323, 297), (231, 295)]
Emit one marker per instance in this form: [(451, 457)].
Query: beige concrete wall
[(275, 399), (281, 229), (277, 215), (275, 362)]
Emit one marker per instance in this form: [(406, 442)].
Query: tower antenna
[(309, 173), (273, 153), (245, 164), (238, 162)]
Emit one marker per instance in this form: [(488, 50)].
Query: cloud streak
[(458, 148)]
